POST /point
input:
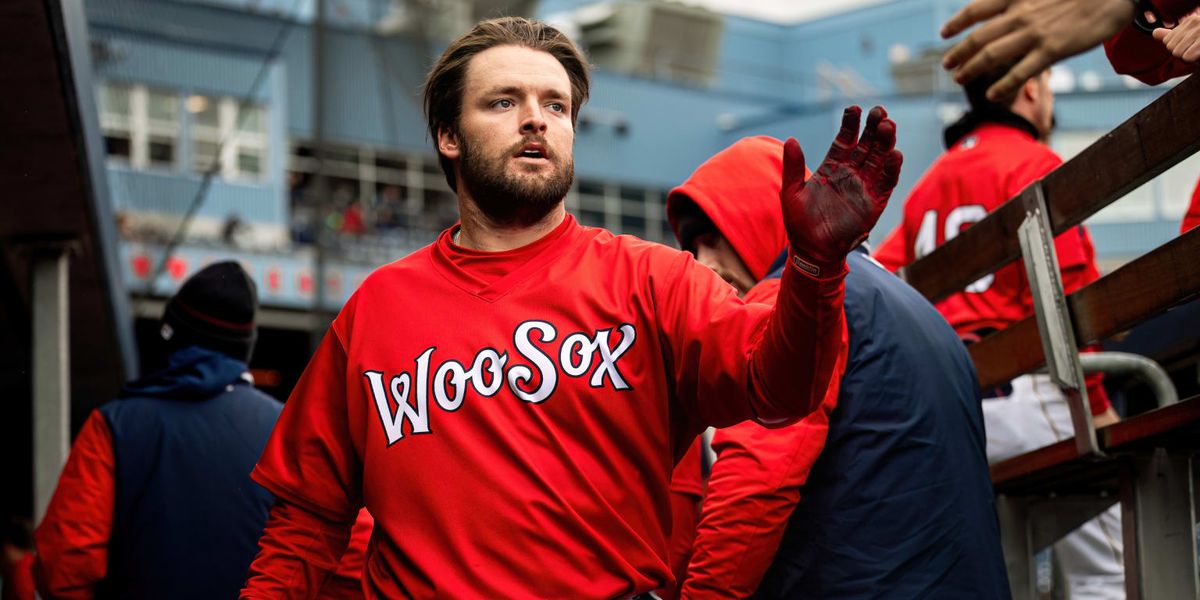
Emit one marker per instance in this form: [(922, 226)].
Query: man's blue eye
[(557, 107), (504, 103)]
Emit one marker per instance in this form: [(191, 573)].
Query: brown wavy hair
[(444, 85)]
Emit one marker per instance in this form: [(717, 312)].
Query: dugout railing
[(1146, 461)]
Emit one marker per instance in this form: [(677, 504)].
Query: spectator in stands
[(389, 208), (352, 220), (1022, 38), (156, 500), (993, 153), (304, 215), (235, 232), (884, 490)]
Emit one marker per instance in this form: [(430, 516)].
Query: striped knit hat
[(215, 309)]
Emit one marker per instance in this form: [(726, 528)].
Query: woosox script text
[(490, 370)]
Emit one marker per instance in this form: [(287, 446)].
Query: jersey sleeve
[(310, 459), (754, 487), (732, 360), (72, 539), (686, 491), (311, 465), (298, 554), (1134, 53)]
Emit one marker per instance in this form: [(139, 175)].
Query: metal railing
[(1145, 461)]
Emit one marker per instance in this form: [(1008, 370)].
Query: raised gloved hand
[(834, 211)]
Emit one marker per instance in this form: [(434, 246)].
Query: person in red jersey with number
[(509, 401), (994, 152)]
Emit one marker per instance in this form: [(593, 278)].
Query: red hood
[(738, 189)]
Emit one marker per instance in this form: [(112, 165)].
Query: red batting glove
[(833, 212)]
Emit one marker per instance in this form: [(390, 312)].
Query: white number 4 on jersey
[(960, 217)]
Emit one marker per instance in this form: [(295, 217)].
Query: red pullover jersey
[(974, 177), (511, 419)]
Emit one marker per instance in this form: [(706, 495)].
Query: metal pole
[(319, 187), (1053, 316), (1158, 505), (1149, 371), (51, 374), (1017, 544)]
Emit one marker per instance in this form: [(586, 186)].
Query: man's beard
[(512, 200)]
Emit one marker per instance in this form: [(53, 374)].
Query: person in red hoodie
[(882, 491), (742, 259), (994, 152)]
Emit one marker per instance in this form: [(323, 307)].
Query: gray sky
[(782, 11)]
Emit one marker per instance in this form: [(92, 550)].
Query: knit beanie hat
[(214, 309)]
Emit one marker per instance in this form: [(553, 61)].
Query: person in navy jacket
[(156, 500)]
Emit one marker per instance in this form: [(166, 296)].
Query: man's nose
[(532, 119), (708, 258)]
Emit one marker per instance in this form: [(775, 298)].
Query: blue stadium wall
[(768, 82)]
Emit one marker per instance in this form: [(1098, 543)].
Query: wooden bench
[(1147, 466), (1146, 461)]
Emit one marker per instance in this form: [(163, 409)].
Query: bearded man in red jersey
[(509, 401)]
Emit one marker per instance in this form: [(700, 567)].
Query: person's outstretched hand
[(1031, 35), (835, 210), (1183, 41)]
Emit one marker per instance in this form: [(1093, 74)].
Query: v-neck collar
[(519, 262)]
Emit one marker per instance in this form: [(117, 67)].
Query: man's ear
[(448, 142), (1031, 90)]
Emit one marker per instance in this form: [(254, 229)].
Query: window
[(116, 122), (251, 141), (238, 131), (141, 125), (206, 131), (162, 128), (143, 128)]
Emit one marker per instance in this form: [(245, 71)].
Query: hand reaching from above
[(1183, 41), (1027, 36), (834, 211)]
